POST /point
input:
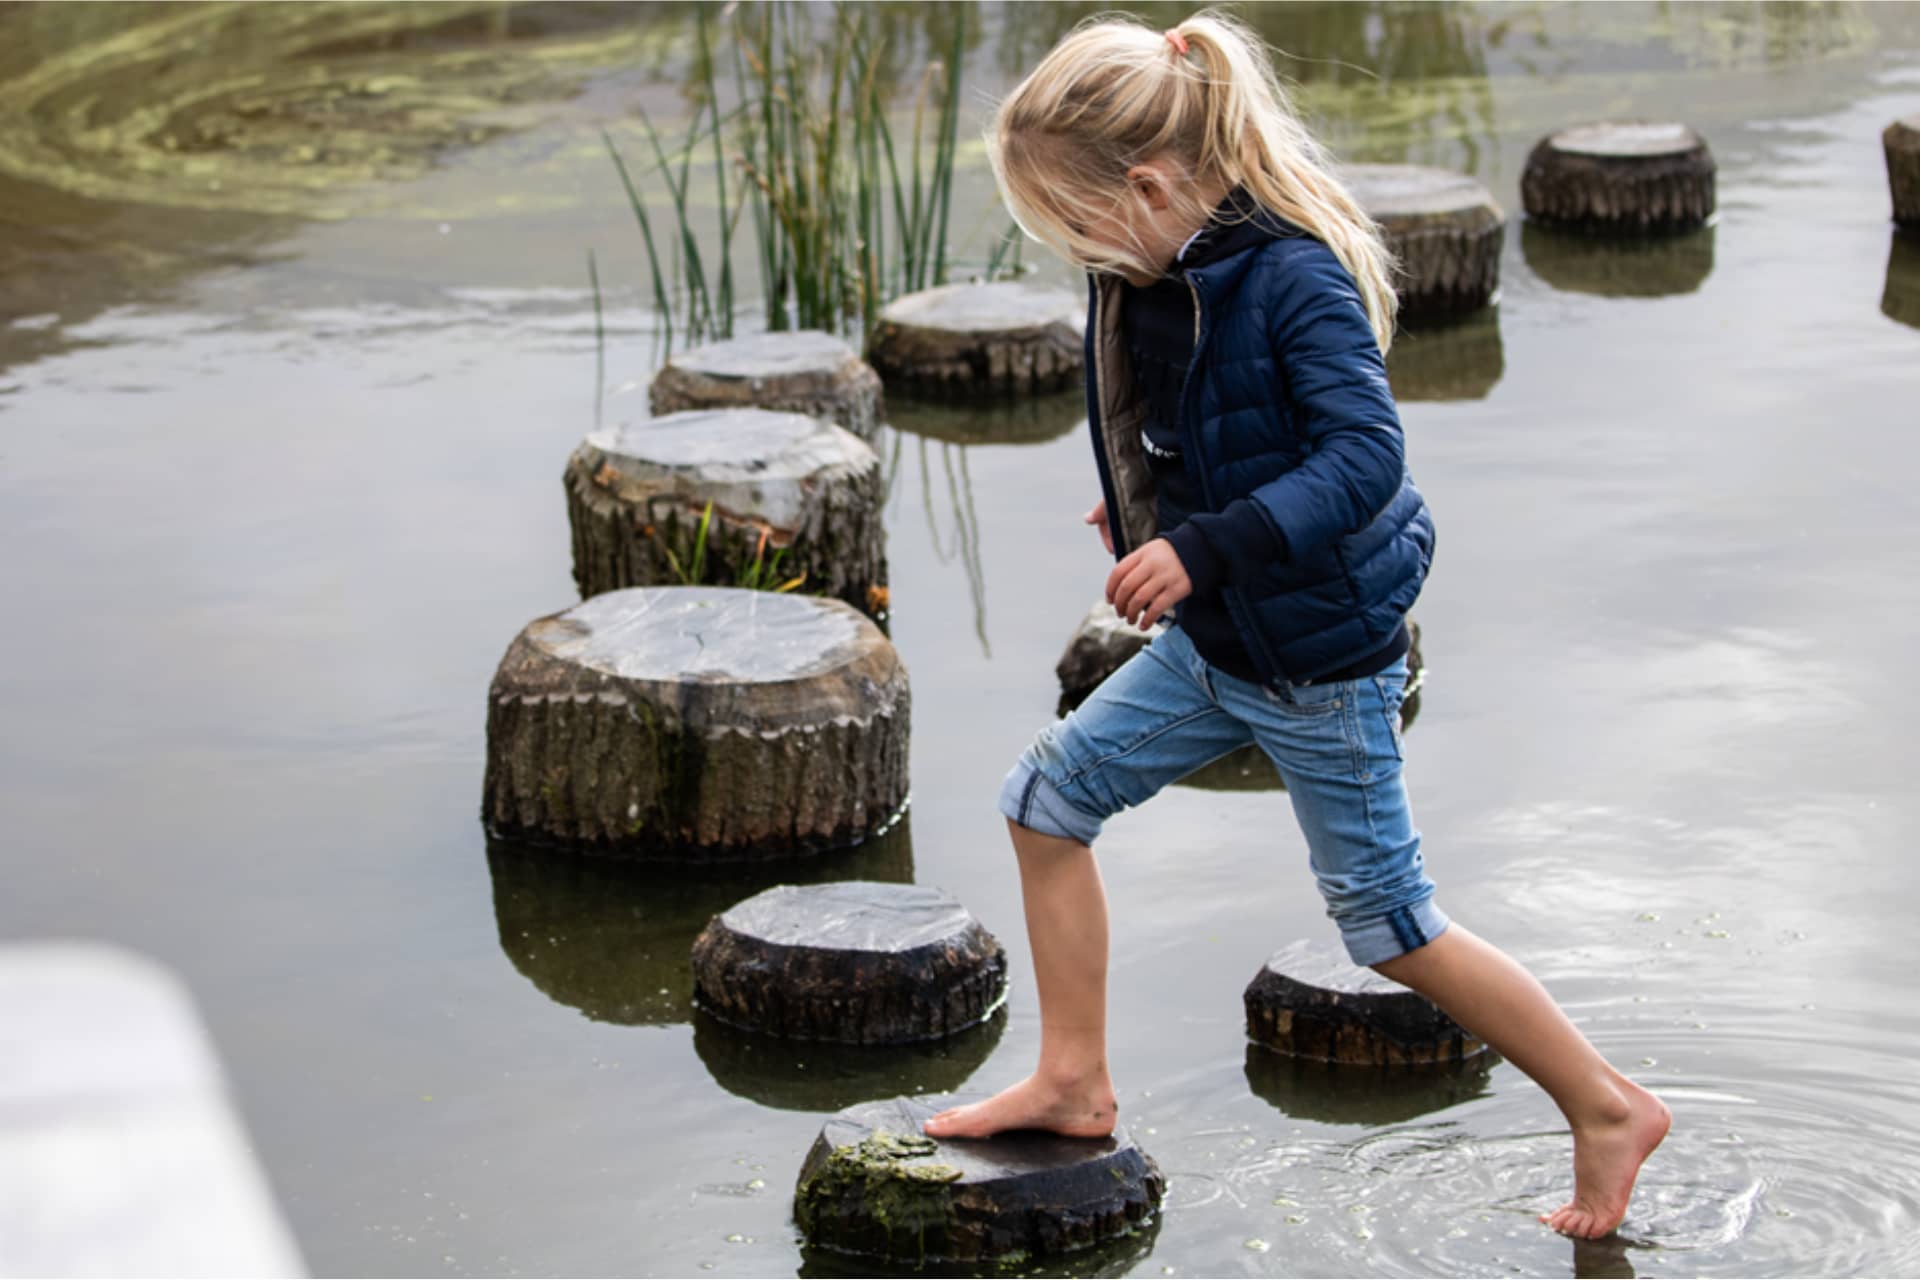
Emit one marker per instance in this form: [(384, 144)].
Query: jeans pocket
[(1312, 701)]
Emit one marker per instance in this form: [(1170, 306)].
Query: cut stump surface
[(874, 1185), (858, 962), (803, 371), (981, 340)]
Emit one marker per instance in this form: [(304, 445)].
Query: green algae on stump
[(1310, 1002), (981, 340), (856, 962), (873, 1185), (1630, 177), (1444, 230), (777, 482), (697, 724), (799, 371)]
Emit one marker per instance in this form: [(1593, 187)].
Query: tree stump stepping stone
[(1627, 177), (1100, 646), (822, 1076), (785, 487), (1901, 298), (1649, 267), (1902, 144), (802, 371), (1444, 229), (981, 340), (857, 962), (697, 724), (1464, 360), (611, 938), (1309, 1001), (875, 1186)]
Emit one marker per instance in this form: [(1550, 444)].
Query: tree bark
[(697, 724), (1902, 144), (806, 372), (981, 340), (1620, 178), (1307, 1001), (873, 1185), (779, 482), (857, 962), (1445, 232)]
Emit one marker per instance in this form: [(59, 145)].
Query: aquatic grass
[(599, 341), (693, 565)]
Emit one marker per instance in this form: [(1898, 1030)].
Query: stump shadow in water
[(1350, 1093), (1001, 420), (1901, 298), (817, 1075), (614, 939), (1462, 360), (1604, 1259), (1639, 267)]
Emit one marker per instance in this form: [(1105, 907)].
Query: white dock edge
[(119, 1151)]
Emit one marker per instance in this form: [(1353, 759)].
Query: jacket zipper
[(1235, 606)]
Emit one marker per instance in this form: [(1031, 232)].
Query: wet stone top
[(685, 634), (849, 915), (986, 308), (979, 1160), (1404, 189), (767, 355), (705, 437), (1318, 964), (1627, 139)]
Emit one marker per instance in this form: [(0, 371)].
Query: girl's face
[(1146, 220)]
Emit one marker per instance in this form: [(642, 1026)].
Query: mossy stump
[(1308, 1001), (798, 496), (1902, 144), (1630, 177), (697, 724), (856, 962), (1444, 229), (874, 1186), (803, 371), (980, 340)]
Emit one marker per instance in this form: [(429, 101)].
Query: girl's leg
[(1149, 723), (1616, 1124), (1070, 1091)]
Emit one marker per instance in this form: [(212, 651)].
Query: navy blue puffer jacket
[(1286, 406)]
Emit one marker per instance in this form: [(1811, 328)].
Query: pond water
[(297, 339)]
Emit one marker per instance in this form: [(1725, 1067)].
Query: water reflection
[(1901, 298), (613, 939), (801, 1075), (1008, 420), (956, 483), (1341, 1093), (1124, 1257), (1638, 268), (1459, 361)]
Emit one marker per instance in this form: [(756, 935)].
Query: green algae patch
[(886, 1180)]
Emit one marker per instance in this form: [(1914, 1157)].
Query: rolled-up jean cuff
[(1033, 802), (1378, 939)]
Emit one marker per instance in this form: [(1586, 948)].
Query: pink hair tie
[(1178, 41)]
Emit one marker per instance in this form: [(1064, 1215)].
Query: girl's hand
[(1147, 583), (1098, 519)]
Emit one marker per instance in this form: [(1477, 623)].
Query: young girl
[(1250, 461)]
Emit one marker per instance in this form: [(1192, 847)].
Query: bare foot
[(1083, 1108), (1606, 1159)]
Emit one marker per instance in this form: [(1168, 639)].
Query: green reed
[(843, 218)]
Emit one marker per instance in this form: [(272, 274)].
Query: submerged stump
[(981, 340), (1620, 178), (804, 371), (1444, 229), (1308, 1001), (793, 497), (697, 724), (875, 1186), (857, 962), (1902, 144)]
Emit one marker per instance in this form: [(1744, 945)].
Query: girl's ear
[(1151, 184)]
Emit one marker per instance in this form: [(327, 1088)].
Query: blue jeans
[(1167, 711)]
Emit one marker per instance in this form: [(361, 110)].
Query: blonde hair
[(1115, 93)]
